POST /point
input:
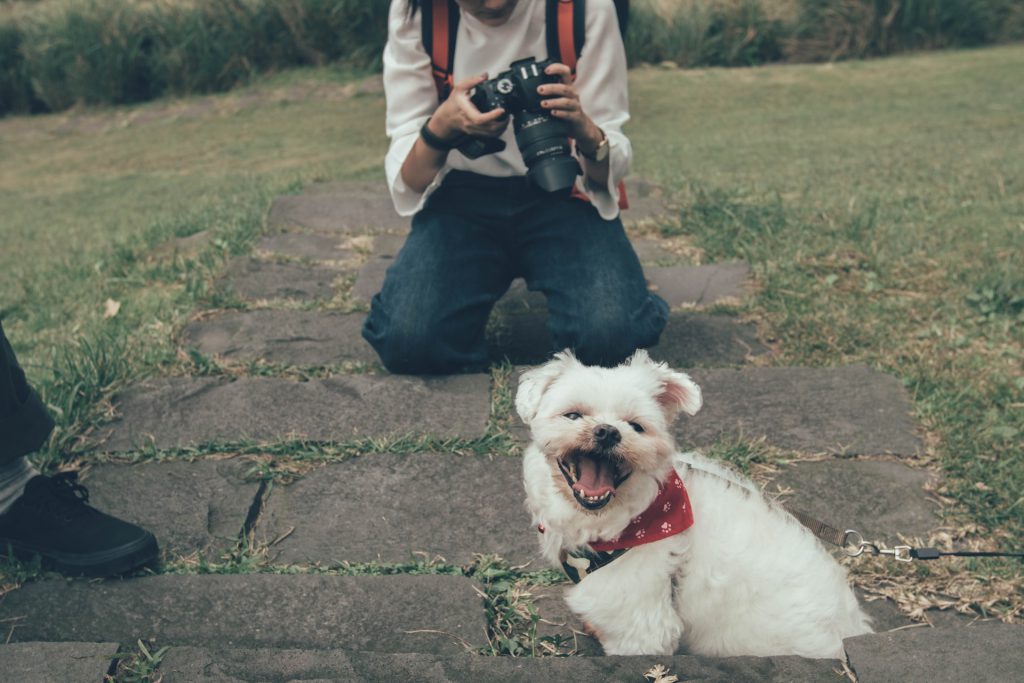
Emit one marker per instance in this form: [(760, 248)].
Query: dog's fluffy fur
[(745, 579)]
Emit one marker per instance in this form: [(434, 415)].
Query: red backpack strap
[(440, 25), (566, 22)]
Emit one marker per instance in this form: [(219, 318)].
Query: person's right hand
[(458, 116)]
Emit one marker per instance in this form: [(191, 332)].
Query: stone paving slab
[(236, 666), (53, 662), (851, 410), (354, 208), (191, 507), (689, 339), (371, 275), (982, 652), (339, 208), (285, 337), (183, 411), (252, 279), (878, 498), (306, 246), (684, 285), (372, 613), (386, 507)]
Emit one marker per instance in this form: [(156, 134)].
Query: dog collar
[(668, 515)]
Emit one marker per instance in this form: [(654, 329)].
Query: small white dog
[(708, 562)]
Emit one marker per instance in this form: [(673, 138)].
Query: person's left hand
[(563, 102)]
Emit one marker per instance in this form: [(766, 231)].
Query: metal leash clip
[(854, 545)]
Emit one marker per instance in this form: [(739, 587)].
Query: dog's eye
[(573, 415), (638, 428)]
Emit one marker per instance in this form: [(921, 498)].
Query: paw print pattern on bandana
[(669, 514)]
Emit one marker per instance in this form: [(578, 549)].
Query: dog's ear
[(676, 391), (679, 392), (535, 382)]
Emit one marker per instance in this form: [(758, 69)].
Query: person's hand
[(563, 102), (458, 116)]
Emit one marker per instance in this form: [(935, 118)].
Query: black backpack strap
[(566, 26), (440, 25)]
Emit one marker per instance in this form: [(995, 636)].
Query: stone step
[(981, 652), (187, 411), (285, 337), (423, 613), (689, 339), (385, 507), (310, 246), (204, 665), (342, 208), (52, 662), (851, 410), (354, 208), (880, 499), (683, 285), (256, 280), (191, 507), (317, 338)]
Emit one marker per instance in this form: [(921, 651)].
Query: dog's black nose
[(606, 435)]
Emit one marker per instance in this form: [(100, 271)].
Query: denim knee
[(403, 349), (416, 345), (609, 336)]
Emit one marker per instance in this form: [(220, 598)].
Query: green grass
[(879, 204)]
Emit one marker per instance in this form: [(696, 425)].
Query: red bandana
[(668, 515)]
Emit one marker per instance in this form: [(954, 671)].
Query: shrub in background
[(844, 29), (54, 53), (704, 32), (61, 52)]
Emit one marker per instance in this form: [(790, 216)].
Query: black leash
[(853, 544)]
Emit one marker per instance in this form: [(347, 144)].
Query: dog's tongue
[(596, 476)]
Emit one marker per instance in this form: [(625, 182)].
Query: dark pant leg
[(597, 295), (25, 424), (431, 313)]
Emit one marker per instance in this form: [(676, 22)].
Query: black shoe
[(51, 519)]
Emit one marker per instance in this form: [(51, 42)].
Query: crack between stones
[(255, 510)]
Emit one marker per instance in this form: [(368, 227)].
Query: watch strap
[(600, 153), (438, 143)]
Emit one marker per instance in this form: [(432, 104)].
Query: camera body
[(542, 139)]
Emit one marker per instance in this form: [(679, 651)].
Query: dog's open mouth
[(593, 476)]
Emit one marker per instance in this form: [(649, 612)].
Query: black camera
[(543, 140)]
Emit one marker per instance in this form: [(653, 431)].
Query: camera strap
[(440, 25), (566, 23)]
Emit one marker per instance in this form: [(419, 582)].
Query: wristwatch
[(600, 154)]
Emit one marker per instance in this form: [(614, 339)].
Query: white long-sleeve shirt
[(412, 96)]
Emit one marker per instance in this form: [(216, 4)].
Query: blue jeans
[(474, 236)]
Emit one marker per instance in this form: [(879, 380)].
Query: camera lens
[(544, 144)]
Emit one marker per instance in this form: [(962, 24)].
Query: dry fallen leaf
[(111, 308), (660, 674)]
